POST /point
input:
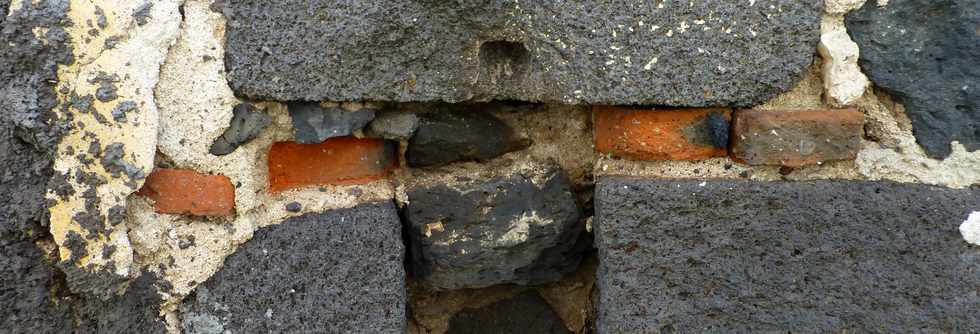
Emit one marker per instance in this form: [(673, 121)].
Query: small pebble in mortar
[(970, 229)]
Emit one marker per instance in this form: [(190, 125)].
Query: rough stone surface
[(926, 54), (25, 301), (522, 229), (334, 272), (393, 125), (819, 256), (445, 137), (702, 53), (246, 124), (314, 123), (796, 137), (524, 313)]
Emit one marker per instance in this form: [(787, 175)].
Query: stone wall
[(211, 166)]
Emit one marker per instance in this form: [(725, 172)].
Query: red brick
[(182, 191), (661, 134), (336, 161), (796, 138)]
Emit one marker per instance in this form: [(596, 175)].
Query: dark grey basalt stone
[(335, 272), (393, 125), (926, 53), (524, 313), (314, 123), (246, 124), (508, 229), (679, 53), (823, 256), (445, 137)]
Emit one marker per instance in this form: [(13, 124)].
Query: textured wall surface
[(209, 166), (662, 52), (824, 256)]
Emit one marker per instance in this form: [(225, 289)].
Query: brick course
[(336, 161), (796, 138), (661, 134)]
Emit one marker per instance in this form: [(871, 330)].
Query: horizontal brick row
[(785, 137)]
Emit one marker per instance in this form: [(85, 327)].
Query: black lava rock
[(926, 53), (314, 124), (246, 124), (335, 272), (294, 207), (824, 256), (524, 313), (697, 53), (444, 137), (522, 229)]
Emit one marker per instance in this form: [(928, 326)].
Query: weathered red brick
[(796, 138), (662, 134), (182, 191), (336, 161)]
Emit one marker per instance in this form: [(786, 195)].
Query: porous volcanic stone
[(335, 272), (823, 256), (925, 52), (521, 229), (524, 313), (444, 137), (680, 53), (314, 123), (246, 124), (393, 125)]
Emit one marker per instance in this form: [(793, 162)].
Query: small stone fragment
[(345, 160), (445, 137), (970, 229), (340, 271), (246, 124), (393, 125), (796, 138), (524, 313), (314, 123), (666, 134), (142, 13), (842, 78), (518, 229), (123, 108), (294, 207), (181, 191)]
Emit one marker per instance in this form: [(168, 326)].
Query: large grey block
[(808, 257), (680, 53), (335, 272), (926, 53)]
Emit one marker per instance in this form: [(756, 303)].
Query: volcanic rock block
[(335, 272), (822, 256), (524, 313), (521, 229), (680, 53), (314, 124), (925, 53), (444, 137)]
